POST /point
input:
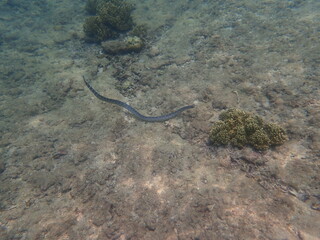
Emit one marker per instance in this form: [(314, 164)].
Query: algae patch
[(240, 128)]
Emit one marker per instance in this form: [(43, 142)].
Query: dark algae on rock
[(239, 128)]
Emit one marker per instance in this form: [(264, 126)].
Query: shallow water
[(73, 167)]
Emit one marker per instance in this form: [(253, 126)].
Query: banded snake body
[(133, 111)]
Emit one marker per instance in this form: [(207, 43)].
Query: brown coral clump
[(116, 15), (112, 18), (240, 128)]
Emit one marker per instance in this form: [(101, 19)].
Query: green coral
[(112, 17), (260, 140), (117, 15), (240, 128), (96, 31)]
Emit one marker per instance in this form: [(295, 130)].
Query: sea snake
[(135, 112)]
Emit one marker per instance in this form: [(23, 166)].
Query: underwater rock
[(239, 128), (129, 44)]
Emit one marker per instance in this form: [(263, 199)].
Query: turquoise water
[(73, 167)]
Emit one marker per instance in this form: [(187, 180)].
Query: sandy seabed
[(73, 167)]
